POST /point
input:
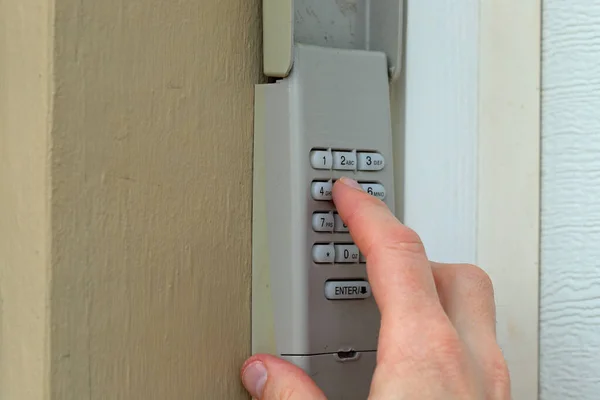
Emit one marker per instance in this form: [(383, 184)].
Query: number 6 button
[(374, 189)]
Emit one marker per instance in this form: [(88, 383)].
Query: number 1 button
[(321, 159)]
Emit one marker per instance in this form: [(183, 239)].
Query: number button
[(346, 253), (322, 222), (323, 253), (374, 189), (338, 224), (321, 190), (370, 161), (321, 159), (344, 160)]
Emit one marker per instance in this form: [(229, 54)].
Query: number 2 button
[(344, 160)]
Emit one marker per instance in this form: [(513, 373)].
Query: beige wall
[(125, 214)]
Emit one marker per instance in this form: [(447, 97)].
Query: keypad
[(332, 242)]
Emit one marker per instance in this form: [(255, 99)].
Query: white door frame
[(468, 151)]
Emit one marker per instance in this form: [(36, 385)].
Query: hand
[(437, 335)]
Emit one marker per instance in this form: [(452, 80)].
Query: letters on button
[(321, 190), (374, 189), (323, 222), (346, 253), (344, 160), (347, 290), (370, 161)]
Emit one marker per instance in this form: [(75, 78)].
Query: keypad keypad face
[(327, 221)]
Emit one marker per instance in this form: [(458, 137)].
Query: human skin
[(438, 321)]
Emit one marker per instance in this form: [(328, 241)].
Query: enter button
[(347, 290)]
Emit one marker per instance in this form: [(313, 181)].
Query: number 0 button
[(346, 253), (344, 160), (321, 159)]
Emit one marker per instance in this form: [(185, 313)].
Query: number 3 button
[(370, 161)]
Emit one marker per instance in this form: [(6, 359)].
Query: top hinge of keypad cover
[(372, 25)]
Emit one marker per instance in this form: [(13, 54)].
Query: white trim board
[(509, 178), (467, 152)]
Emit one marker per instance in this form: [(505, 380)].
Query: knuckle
[(476, 278), (367, 204), (287, 393), (447, 348), (401, 239)]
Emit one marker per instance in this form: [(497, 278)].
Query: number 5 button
[(370, 161)]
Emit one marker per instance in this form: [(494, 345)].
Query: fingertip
[(268, 377), (254, 376), (349, 182)]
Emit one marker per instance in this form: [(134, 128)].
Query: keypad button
[(363, 258), (321, 190), (374, 189), (321, 159), (323, 222), (344, 160), (347, 290), (369, 161), (323, 253), (346, 253), (338, 224)]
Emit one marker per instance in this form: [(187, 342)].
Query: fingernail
[(351, 182), (254, 379)]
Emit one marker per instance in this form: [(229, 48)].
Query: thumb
[(269, 378)]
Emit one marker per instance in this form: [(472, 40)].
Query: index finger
[(397, 266)]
